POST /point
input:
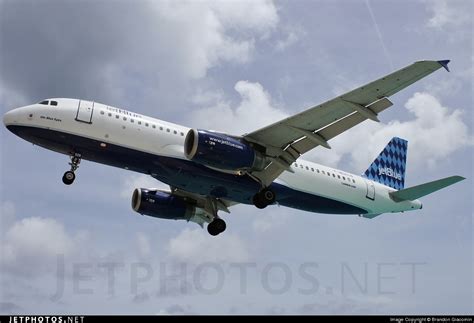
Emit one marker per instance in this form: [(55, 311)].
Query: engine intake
[(161, 205), (221, 151)]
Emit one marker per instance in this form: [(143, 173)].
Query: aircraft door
[(84, 111), (370, 190)]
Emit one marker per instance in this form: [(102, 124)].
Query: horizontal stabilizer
[(418, 191)]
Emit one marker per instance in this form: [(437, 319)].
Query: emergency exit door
[(84, 111), (370, 190)]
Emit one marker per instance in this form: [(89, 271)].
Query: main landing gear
[(264, 198), (70, 176), (216, 227)]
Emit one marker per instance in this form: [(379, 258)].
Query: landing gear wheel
[(268, 196), (69, 177), (264, 198), (215, 227), (258, 202)]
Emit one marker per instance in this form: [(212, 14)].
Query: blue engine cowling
[(161, 205), (221, 151)]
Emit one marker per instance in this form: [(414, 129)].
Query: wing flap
[(415, 192), (304, 145)]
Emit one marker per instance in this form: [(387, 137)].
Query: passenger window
[(146, 124), (312, 169), (54, 103), (168, 130), (296, 165), (182, 134), (343, 178), (353, 181), (116, 116), (102, 112), (175, 132), (132, 121), (124, 118), (333, 175), (110, 114), (317, 170), (307, 168), (323, 172), (329, 174), (161, 128), (301, 166), (153, 126), (139, 122), (338, 176)]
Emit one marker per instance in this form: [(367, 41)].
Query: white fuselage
[(113, 126)]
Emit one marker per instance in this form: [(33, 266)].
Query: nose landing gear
[(70, 176)]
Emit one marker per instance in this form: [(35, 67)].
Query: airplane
[(209, 171)]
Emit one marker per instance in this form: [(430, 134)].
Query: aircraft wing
[(286, 140)]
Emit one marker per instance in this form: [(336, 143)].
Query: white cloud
[(143, 244), (433, 134), (352, 304), (261, 16), (202, 32), (292, 34), (221, 116), (151, 49), (202, 97), (449, 13), (265, 223), (31, 245), (196, 246)]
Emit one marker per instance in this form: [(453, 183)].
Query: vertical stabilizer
[(390, 165)]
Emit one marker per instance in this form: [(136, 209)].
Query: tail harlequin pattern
[(389, 167)]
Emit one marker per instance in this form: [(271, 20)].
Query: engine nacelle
[(221, 151), (161, 205)]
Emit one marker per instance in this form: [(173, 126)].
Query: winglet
[(445, 64)]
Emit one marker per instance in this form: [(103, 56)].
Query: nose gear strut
[(70, 176)]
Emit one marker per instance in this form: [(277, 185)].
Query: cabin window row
[(146, 124), (326, 173)]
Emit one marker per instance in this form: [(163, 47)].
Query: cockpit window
[(55, 103), (45, 102)]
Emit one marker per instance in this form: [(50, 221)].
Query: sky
[(235, 66)]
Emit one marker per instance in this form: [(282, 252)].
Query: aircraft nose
[(10, 117), (15, 117)]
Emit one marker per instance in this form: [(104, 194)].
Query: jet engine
[(221, 151), (162, 205)]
